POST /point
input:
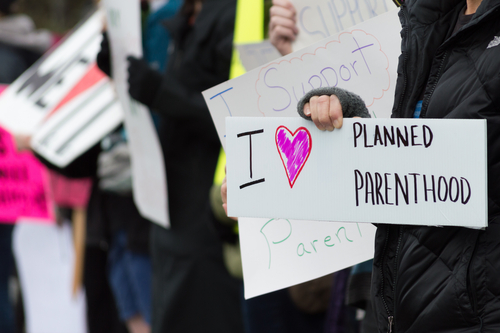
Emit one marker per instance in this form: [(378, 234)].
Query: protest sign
[(148, 171), (45, 262), (362, 59), (398, 171), (23, 182), (320, 19), (376, 45), (80, 122), (41, 89), (69, 192), (65, 84), (288, 252)]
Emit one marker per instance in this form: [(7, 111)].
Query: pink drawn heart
[(294, 150)]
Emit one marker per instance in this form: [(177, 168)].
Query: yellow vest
[(248, 28)]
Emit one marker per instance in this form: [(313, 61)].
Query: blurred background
[(58, 16)]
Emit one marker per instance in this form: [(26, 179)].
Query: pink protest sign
[(22, 184), (68, 192)]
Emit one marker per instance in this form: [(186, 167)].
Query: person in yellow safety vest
[(254, 21), (284, 310), (282, 31), (250, 27)]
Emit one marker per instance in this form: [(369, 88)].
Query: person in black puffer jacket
[(428, 279)]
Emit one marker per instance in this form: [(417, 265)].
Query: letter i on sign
[(249, 134)]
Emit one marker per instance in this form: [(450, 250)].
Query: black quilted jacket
[(445, 280)]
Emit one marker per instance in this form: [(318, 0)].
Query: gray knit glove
[(352, 104)]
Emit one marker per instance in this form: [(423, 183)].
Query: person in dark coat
[(429, 279), (192, 290)]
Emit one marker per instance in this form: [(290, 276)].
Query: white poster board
[(27, 101), (397, 171), (148, 171), (316, 20), (45, 262), (320, 19), (63, 100), (284, 252), (362, 59), (78, 125)]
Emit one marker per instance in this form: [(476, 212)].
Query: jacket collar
[(429, 11), (486, 7)]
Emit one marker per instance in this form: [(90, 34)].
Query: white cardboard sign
[(27, 102), (320, 19), (284, 253), (149, 179), (78, 125), (45, 261), (362, 59), (64, 101), (397, 171)]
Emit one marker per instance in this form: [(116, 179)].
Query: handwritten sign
[(273, 90), (279, 253), (399, 171), (22, 185), (149, 179), (320, 19), (363, 60)]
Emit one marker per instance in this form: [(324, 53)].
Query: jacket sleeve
[(352, 104), (173, 95)]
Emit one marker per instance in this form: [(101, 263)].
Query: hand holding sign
[(325, 112), (223, 191), (283, 26)]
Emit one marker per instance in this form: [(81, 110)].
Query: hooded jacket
[(428, 279)]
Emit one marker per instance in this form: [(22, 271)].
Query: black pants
[(102, 316)]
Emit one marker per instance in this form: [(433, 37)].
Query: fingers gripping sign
[(223, 190), (325, 111), (328, 106)]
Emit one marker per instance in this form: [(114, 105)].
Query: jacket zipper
[(390, 317), (425, 104), (472, 282), (383, 279), (405, 60), (400, 237)]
